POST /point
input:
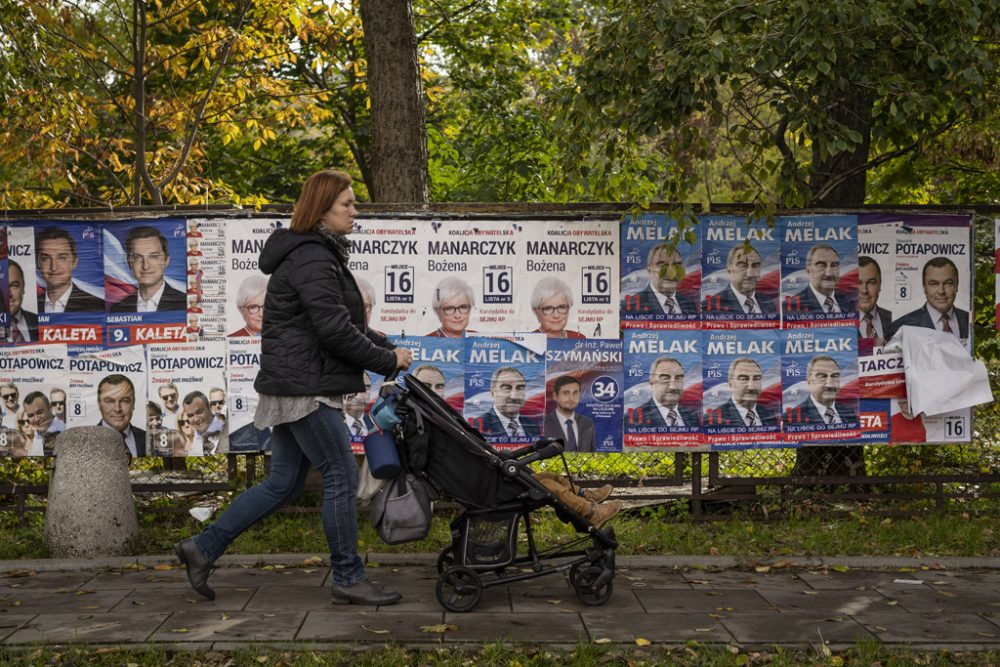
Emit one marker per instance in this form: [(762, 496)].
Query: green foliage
[(772, 79)]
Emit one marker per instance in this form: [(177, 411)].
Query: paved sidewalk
[(278, 600)]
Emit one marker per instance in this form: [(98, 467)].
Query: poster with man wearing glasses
[(181, 379), (30, 376), (144, 282)]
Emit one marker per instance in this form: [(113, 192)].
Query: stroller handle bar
[(545, 448), (532, 448)]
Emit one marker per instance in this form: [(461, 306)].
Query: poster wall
[(548, 300), (109, 389)]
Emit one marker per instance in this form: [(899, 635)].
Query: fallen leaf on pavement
[(762, 568), (315, 560), (639, 641), (839, 568), (602, 640), (377, 632), (440, 628), (163, 566), (179, 630)]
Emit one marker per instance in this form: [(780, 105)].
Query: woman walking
[(315, 346)]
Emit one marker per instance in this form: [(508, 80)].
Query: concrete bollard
[(91, 509)]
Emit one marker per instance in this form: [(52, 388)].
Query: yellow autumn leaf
[(377, 632), (179, 630), (840, 568), (440, 628), (639, 641), (762, 568), (602, 640), (315, 560), (163, 566)]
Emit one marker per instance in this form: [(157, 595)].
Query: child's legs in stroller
[(562, 489)]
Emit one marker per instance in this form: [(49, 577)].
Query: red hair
[(319, 192)]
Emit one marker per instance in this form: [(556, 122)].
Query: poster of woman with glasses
[(246, 286), (145, 281), (569, 274)]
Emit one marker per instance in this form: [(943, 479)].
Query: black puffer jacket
[(315, 341)]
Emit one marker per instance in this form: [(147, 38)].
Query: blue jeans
[(320, 438)]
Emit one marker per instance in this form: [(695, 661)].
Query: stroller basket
[(488, 540)]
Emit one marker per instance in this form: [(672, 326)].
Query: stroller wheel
[(459, 589), (446, 559), (584, 586)]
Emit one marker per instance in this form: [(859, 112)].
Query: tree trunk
[(840, 181), (399, 138)]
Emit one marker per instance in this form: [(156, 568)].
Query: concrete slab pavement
[(283, 600)]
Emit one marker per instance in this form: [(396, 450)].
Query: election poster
[(109, 389), (996, 265), (34, 380), (661, 273), (439, 364), (4, 285), (742, 382), (187, 382), (246, 284), (880, 365), (741, 265), (242, 364), (206, 278), (69, 281), (22, 305), (583, 387), (145, 281), (505, 387), (357, 412), (819, 375), (663, 388), (387, 259), (569, 274), (873, 415), (933, 274), (908, 428), (819, 270)]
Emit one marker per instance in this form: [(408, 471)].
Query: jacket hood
[(282, 242)]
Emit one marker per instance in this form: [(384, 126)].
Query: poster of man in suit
[(819, 270), (64, 281), (437, 362), (243, 355), (505, 387), (663, 389), (660, 273), (109, 389), (741, 265), (145, 281), (742, 376), (584, 388), (820, 384)]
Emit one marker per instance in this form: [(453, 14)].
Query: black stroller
[(497, 492)]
